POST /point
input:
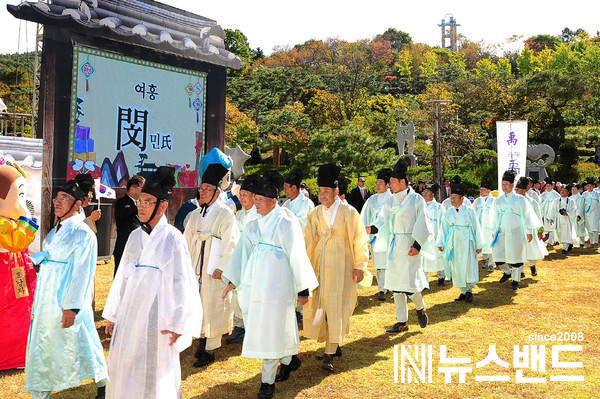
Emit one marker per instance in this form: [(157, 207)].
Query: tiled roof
[(162, 27)]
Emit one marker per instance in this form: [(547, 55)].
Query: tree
[(237, 43), (353, 146), (239, 128), (538, 43), (287, 127), (397, 38)]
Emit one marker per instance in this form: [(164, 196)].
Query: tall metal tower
[(449, 32)]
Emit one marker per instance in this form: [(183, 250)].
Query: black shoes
[(398, 328), (237, 334), (286, 369), (204, 359), (533, 270), (381, 296), (564, 252), (504, 278), (461, 297), (338, 353), (266, 391), (423, 319), (327, 363), (101, 392), (469, 296), (522, 275), (441, 282), (514, 285)]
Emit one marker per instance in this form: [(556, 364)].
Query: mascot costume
[(17, 275)]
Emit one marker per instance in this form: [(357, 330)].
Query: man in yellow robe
[(336, 244)]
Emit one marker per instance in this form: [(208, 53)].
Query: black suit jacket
[(127, 220), (444, 193), (356, 200)]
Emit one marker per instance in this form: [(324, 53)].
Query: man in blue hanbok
[(515, 222), (435, 211), (461, 239), (63, 346), (298, 203), (482, 207), (369, 214), (270, 269), (592, 211)]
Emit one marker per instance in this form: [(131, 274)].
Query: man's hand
[(413, 251), (478, 251), (358, 275), (578, 218), (68, 318), (441, 249), (302, 300), (540, 235), (96, 215), (174, 336), (529, 237), (217, 274), (230, 287), (109, 328), (368, 229)]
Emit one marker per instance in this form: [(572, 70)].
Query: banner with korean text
[(512, 148), (129, 116)]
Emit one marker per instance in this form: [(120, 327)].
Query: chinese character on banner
[(511, 141), (161, 141), (132, 128)]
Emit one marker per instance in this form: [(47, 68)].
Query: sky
[(270, 23)]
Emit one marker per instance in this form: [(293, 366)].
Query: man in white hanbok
[(536, 250), (515, 222), (461, 239), (212, 233), (403, 226), (435, 211), (483, 207), (564, 217), (580, 231), (369, 214), (270, 269), (243, 217), (547, 197), (153, 307), (298, 203), (63, 345), (592, 211)]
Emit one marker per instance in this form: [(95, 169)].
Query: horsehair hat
[(456, 179), (385, 174), (486, 182), (590, 180), (400, 169), (269, 184), (79, 187), (160, 183), (214, 174), (509, 176), (85, 181), (343, 185), (295, 177), (433, 187), (250, 182), (328, 175), (548, 180), (458, 188), (522, 183)]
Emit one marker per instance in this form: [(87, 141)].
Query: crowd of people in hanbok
[(239, 266)]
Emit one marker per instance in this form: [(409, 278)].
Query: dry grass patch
[(564, 297)]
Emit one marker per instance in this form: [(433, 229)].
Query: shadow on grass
[(358, 354)]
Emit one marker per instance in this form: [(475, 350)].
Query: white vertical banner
[(512, 148)]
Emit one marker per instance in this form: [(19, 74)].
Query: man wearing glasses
[(358, 195), (153, 307), (64, 347)]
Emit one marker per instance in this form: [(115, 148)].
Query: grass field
[(563, 298)]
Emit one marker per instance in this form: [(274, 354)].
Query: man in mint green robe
[(63, 346)]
